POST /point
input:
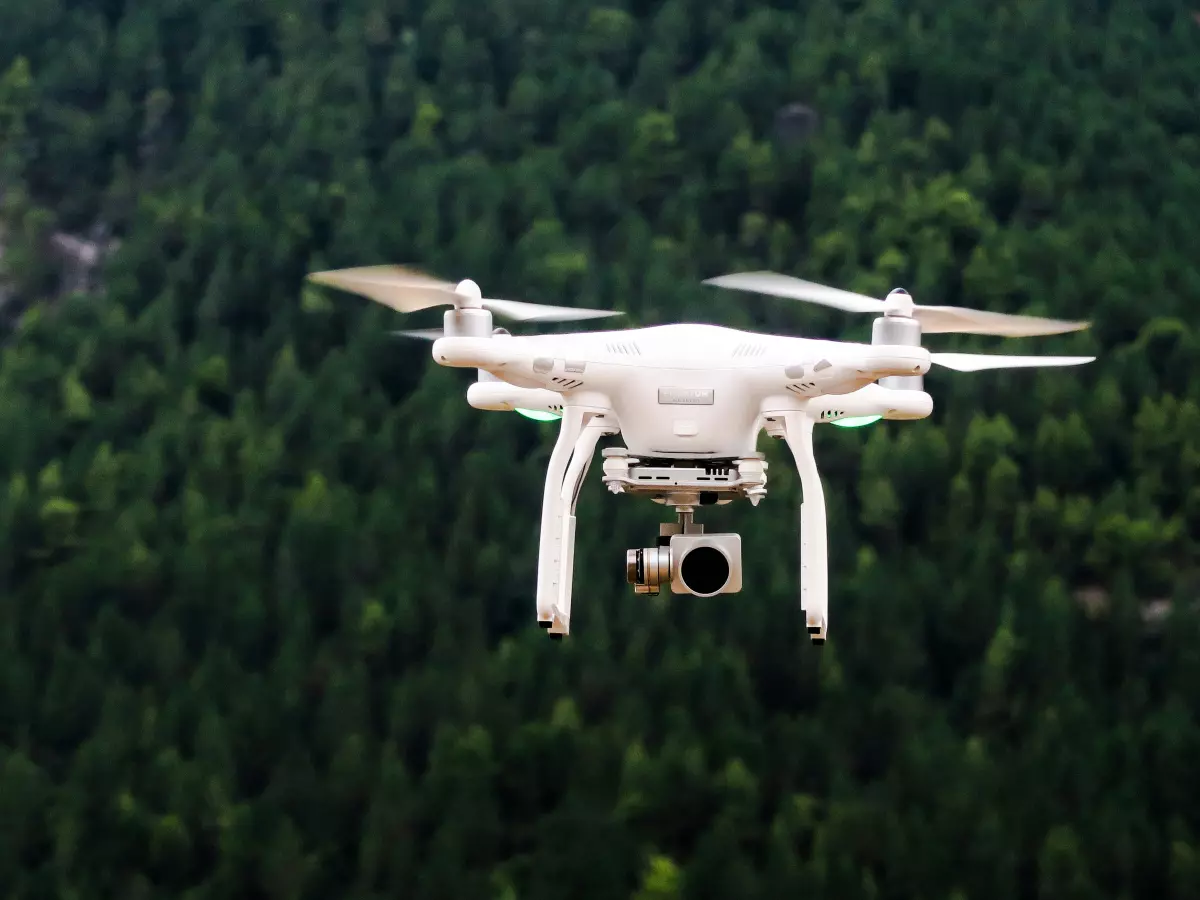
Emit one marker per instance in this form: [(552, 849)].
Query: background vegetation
[(266, 580)]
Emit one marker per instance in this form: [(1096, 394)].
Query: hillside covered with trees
[(266, 581)]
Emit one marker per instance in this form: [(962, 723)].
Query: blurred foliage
[(266, 580)]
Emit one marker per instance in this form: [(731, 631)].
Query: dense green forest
[(266, 581)]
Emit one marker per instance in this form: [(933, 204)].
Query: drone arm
[(506, 359), (814, 556), (872, 400), (495, 394)]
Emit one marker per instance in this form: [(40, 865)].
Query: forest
[(267, 623)]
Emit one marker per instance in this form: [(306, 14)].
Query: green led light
[(538, 416), (855, 421)]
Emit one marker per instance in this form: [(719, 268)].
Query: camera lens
[(705, 570), (649, 567), (633, 566)]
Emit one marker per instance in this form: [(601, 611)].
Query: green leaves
[(662, 880), (266, 580)]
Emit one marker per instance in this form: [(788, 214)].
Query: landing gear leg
[(814, 555), (578, 434)]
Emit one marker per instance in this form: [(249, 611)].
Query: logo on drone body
[(668, 396)]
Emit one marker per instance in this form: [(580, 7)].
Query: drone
[(689, 401)]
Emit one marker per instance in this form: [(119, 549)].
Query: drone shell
[(682, 390)]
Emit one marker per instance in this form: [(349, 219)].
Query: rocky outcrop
[(80, 257)]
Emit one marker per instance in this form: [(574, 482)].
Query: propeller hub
[(898, 303), (469, 291)]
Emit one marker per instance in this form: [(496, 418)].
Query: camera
[(700, 564)]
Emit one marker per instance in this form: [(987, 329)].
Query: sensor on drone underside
[(686, 482)]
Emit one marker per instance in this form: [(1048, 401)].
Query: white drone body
[(681, 391), (690, 402)]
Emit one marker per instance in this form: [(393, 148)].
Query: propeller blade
[(977, 362), (520, 311), (407, 290), (957, 320), (403, 290), (796, 289), (424, 334), (932, 319)]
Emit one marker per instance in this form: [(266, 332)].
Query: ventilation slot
[(624, 349), (803, 387), (745, 350), (567, 384)]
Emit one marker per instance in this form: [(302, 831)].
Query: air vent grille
[(749, 350), (624, 348)]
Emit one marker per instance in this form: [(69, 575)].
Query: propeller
[(978, 362), (932, 319), (424, 334), (407, 290)]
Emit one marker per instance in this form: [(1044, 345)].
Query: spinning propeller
[(408, 290), (423, 334), (932, 319), (902, 322)]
